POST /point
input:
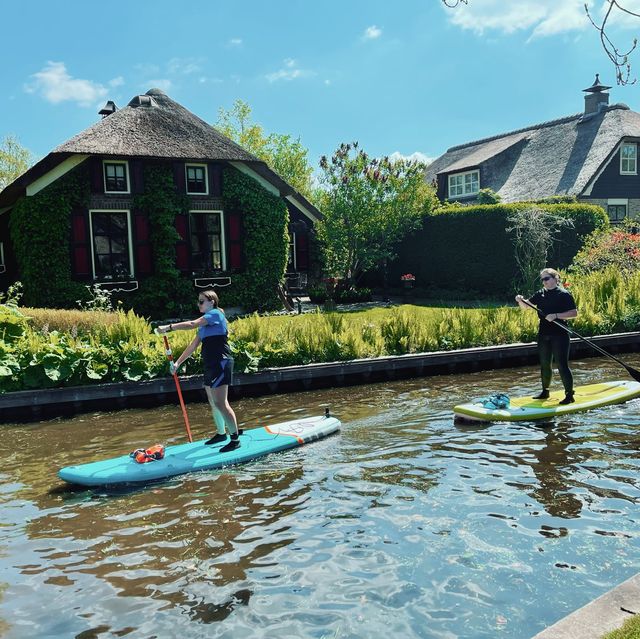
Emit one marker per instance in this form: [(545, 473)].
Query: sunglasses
[(547, 278), (202, 301)]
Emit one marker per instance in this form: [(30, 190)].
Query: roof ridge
[(532, 127)]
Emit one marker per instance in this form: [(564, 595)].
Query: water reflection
[(404, 524)]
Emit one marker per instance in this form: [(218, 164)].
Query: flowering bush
[(408, 277), (618, 247)]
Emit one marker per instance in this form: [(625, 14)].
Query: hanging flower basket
[(408, 280)]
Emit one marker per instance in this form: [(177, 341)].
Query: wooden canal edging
[(46, 403)]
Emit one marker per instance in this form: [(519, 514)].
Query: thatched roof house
[(590, 155), (110, 235)]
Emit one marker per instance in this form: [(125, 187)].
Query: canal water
[(403, 525)]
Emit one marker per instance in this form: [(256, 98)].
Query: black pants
[(555, 349)]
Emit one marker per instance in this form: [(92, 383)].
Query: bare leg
[(221, 402), (217, 415)]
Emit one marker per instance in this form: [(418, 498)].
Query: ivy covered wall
[(40, 230)]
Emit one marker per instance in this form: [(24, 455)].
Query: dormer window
[(629, 159), (464, 184), (197, 182), (116, 177)]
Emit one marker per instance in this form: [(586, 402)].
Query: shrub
[(618, 247)]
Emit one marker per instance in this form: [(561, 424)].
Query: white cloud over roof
[(55, 85)]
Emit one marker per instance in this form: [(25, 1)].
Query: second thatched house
[(592, 156), (153, 203)]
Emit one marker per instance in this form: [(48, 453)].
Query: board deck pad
[(192, 457), (526, 408)]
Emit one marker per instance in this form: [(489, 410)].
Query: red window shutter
[(144, 264), (182, 226), (234, 222), (79, 228), (182, 246), (182, 257), (142, 228), (80, 247), (143, 259), (81, 261), (302, 251)]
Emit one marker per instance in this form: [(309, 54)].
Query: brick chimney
[(596, 95)]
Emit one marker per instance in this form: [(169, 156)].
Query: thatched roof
[(552, 158), (152, 126)]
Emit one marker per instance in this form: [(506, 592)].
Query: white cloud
[(289, 72), (235, 42), (372, 32), (541, 17), (55, 85), (184, 66), (416, 156), (116, 82)]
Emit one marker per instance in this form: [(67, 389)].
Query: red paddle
[(175, 379)]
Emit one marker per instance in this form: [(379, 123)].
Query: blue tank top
[(213, 336)]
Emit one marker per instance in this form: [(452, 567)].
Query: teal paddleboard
[(192, 457)]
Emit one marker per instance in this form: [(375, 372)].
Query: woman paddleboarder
[(212, 333), (555, 305)]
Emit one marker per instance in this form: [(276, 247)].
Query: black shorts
[(219, 373)]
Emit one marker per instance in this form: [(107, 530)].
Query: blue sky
[(400, 77)]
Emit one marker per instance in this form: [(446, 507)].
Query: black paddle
[(632, 371)]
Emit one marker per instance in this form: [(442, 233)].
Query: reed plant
[(43, 347)]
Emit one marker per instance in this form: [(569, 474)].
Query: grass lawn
[(630, 630)]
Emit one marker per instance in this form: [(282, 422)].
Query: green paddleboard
[(526, 408)]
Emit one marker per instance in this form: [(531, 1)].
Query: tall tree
[(14, 160), (283, 153), (369, 205)]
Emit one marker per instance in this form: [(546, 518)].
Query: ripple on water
[(405, 524)]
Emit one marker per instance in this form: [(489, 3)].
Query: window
[(291, 260), (462, 184), (111, 245), (617, 210), (628, 159), (207, 241), (197, 179), (116, 177), (3, 268)]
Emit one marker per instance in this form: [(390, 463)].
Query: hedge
[(468, 248)]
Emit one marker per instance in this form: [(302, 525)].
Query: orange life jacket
[(153, 453)]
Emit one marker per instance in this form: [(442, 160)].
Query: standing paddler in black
[(555, 304)]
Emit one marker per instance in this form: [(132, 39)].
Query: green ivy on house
[(166, 293), (40, 228), (266, 242)]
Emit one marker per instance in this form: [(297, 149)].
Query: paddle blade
[(635, 373)]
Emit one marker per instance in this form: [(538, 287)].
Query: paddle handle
[(169, 354)]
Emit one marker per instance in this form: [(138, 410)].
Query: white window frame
[(618, 202), (206, 178), (635, 159), (465, 192), (3, 266), (129, 239), (126, 173), (223, 242)]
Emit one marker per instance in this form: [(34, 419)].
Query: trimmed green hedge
[(468, 248)]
